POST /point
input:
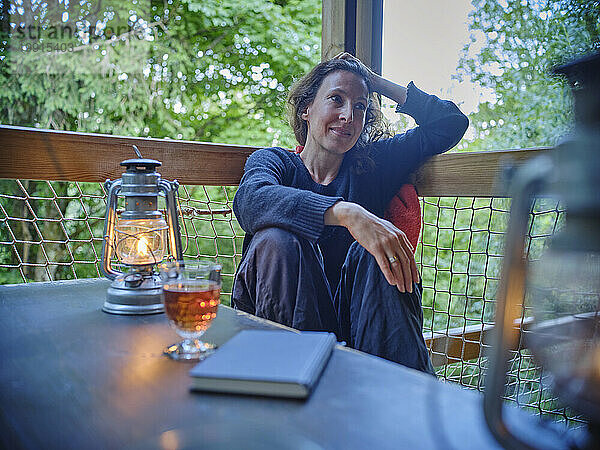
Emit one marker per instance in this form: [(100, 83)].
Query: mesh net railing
[(460, 256), (53, 231)]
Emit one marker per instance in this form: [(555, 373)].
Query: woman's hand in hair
[(379, 84), (389, 246), (372, 75)]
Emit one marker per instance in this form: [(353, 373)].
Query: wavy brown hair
[(304, 91)]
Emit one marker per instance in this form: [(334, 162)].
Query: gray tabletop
[(72, 376)]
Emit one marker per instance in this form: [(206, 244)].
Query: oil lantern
[(139, 238), (562, 289)]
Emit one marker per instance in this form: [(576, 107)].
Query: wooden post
[(369, 32), (355, 26), (364, 31), (333, 28)]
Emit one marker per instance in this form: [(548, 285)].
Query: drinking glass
[(191, 295)]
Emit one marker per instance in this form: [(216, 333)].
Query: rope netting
[(53, 231), (460, 256)]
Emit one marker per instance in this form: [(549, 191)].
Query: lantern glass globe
[(141, 242)]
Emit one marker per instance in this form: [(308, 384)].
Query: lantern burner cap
[(133, 279)]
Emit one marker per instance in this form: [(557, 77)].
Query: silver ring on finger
[(393, 259)]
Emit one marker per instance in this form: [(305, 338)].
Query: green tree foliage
[(211, 70), (203, 70), (512, 49)]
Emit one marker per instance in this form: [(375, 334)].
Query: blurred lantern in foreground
[(139, 238), (563, 287)]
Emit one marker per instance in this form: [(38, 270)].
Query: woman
[(317, 254)]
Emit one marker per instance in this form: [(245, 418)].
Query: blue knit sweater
[(278, 191)]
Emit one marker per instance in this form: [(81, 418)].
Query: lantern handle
[(137, 151), (170, 190), (526, 181), (114, 187)]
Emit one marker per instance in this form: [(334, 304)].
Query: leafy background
[(213, 71)]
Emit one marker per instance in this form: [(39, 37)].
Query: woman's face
[(336, 117)]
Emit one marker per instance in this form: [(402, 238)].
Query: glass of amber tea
[(191, 295)]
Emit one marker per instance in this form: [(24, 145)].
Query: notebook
[(266, 362)]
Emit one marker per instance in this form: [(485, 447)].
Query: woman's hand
[(389, 245), (372, 75), (379, 84)]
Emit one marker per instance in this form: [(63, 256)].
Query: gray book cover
[(266, 362)]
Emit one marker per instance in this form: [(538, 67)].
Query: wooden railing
[(30, 153), (27, 153)]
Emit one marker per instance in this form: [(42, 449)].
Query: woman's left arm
[(440, 126), (389, 89)]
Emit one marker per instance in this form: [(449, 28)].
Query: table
[(72, 376)]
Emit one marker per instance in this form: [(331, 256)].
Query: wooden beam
[(364, 31), (377, 36), (457, 344), (463, 343), (554, 332), (333, 28), (469, 174), (29, 153)]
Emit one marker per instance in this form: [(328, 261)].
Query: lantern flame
[(142, 246)]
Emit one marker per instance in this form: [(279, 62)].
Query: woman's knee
[(271, 253), (356, 251), (276, 241), (364, 288), (283, 279), (361, 263)]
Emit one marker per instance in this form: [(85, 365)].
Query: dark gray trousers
[(281, 278)]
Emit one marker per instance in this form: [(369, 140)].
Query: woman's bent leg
[(375, 317), (281, 278)]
